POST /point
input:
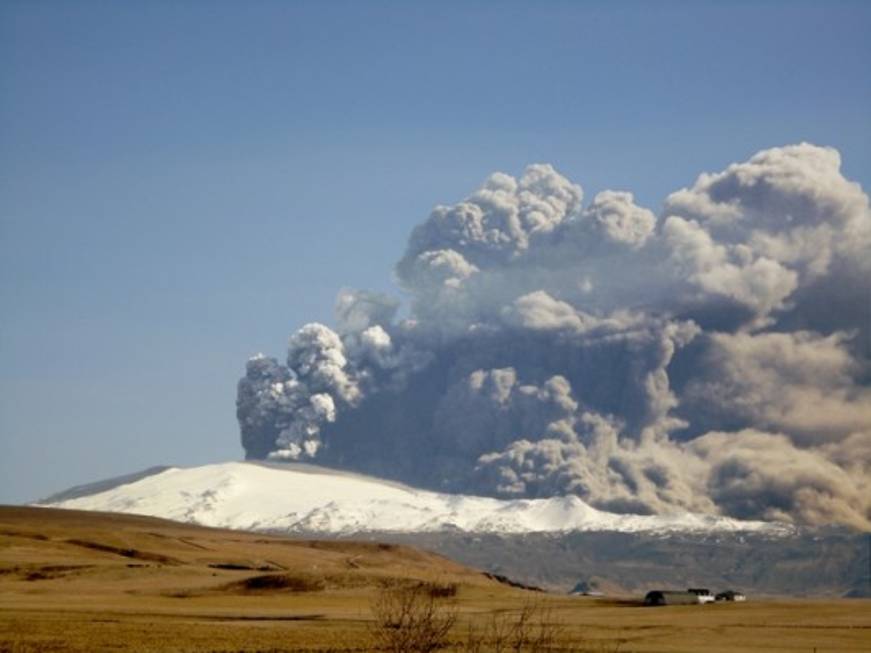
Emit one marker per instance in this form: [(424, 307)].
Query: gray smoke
[(713, 358)]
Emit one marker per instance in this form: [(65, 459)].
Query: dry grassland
[(78, 581)]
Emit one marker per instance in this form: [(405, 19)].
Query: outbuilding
[(702, 593), (669, 597), (731, 595)]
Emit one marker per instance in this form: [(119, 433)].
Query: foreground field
[(79, 581)]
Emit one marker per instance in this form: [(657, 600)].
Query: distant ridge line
[(87, 489)]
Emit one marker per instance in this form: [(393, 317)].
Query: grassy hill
[(73, 580), (80, 581)]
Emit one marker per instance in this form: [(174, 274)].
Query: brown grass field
[(79, 581)]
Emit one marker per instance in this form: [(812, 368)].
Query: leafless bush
[(411, 619), (415, 618), (532, 629)]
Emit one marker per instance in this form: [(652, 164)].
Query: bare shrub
[(411, 619), (532, 629)]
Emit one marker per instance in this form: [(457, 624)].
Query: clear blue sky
[(182, 184)]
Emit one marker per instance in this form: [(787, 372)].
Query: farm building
[(731, 595), (668, 597), (702, 593)]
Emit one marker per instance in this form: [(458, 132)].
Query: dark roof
[(670, 597)]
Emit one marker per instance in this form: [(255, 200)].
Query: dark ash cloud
[(713, 358)]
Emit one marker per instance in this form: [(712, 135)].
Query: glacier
[(300, 498)]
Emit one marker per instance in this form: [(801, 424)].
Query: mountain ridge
[(300, 498), (623, 553)]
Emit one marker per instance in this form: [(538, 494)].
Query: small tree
[(411, 619)]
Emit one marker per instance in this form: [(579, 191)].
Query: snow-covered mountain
[(305, 498)]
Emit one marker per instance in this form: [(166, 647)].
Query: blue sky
[(183, 184)]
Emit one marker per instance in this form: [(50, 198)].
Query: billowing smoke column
[(714, 358)]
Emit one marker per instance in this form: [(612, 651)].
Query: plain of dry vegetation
[(73, 581)]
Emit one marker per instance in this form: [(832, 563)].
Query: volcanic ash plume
[(712, 358)]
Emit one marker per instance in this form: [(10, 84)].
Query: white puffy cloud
[(759, 230), (316, 353), (615, 215), (732, 271), (497, 222), (439, 268), (779, 188), (541, 312)]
